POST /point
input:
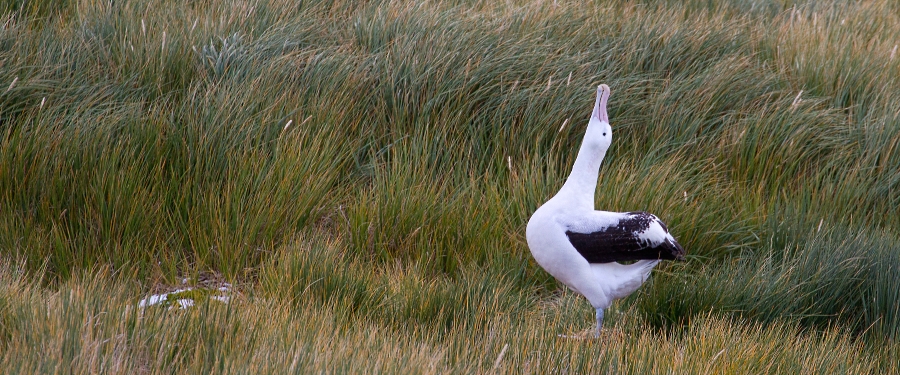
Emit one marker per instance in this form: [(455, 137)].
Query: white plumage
[(580, 246)]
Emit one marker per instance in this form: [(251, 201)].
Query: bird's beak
[(600, 104)]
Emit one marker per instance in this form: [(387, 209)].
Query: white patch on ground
[(152, 300), (157, 299), (221, 294)]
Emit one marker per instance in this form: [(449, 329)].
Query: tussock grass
[(365, 171), (92, 325)]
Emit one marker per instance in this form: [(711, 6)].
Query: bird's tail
[(643, 268), (620, 280)]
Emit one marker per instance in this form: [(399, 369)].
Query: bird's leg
[(599, 320)]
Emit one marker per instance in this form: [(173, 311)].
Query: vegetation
[(362, 172)]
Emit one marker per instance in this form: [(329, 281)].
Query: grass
[(363, 173)]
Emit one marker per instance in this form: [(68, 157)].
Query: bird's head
[(599, 133)]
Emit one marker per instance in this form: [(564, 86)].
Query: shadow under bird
[(581, 247)]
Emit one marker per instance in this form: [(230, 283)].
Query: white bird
[(579, 246)]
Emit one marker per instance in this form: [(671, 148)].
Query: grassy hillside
[(363, 173)]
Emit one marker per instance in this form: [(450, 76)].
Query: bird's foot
[(599, 322), (586, 334)]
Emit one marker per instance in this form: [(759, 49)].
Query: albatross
[(582, 247)]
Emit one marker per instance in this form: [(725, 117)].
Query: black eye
[(604, 134)]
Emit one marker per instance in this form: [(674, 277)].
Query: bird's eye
[(604, 134)]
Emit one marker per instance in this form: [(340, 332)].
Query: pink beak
[(600, 104)]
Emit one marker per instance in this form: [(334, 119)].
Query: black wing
[(621, 242)]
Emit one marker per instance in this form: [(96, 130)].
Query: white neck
[(582, 182), (579, 188)]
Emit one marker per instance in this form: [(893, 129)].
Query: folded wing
[(636, 236)]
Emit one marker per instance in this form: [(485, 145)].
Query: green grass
[(363, 172)]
